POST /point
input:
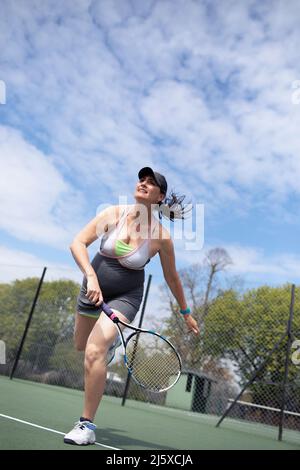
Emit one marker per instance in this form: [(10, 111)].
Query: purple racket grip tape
[(106, 309)]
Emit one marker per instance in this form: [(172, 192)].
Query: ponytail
[(173, 207)]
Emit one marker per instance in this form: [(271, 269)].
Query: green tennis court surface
[(35, 416)]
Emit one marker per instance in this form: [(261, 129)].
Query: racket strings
[(156, 365)]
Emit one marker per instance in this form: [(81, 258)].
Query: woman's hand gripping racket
[(151, 359)]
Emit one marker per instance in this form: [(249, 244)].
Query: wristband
[(186, 311)]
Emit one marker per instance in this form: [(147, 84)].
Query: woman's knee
[(94, 353)]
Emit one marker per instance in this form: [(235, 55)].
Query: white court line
[(49, 429)]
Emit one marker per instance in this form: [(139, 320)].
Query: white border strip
[(263, 407), (49, 429)]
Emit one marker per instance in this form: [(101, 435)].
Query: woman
[(116, 275)]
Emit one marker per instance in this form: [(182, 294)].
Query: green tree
[(52, 322), (241, 328)]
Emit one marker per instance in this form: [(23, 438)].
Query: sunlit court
[(38, 416)]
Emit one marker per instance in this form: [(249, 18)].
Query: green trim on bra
[(122, 248)]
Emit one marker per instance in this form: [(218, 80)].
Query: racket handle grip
[(108, 311)]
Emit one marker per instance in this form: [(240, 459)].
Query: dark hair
[(173, 207)]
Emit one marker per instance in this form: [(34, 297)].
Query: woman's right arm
[(93, 230)]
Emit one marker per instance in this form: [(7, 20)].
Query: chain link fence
[(239, 329)]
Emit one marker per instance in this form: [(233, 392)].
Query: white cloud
[(207, 93), (18, 264), (252, 264), (37, 204)]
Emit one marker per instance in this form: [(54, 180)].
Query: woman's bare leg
[(83, 328), (99, 341)]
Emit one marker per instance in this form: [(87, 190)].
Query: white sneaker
[(82, 434), (112, 350)]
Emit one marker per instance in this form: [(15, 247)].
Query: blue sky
[(199, 90)]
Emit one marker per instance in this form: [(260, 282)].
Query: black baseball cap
[(158, 178)]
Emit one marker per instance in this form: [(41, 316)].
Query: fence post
[(27, 325), (139, 325), (287, 360)]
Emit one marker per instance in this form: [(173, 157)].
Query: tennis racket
[(151, 359)]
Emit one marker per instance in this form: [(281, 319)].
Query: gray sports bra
[(135, 258)]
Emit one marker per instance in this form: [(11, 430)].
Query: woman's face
[(147, 191)]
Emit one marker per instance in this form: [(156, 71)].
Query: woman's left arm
[(167, 259)]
